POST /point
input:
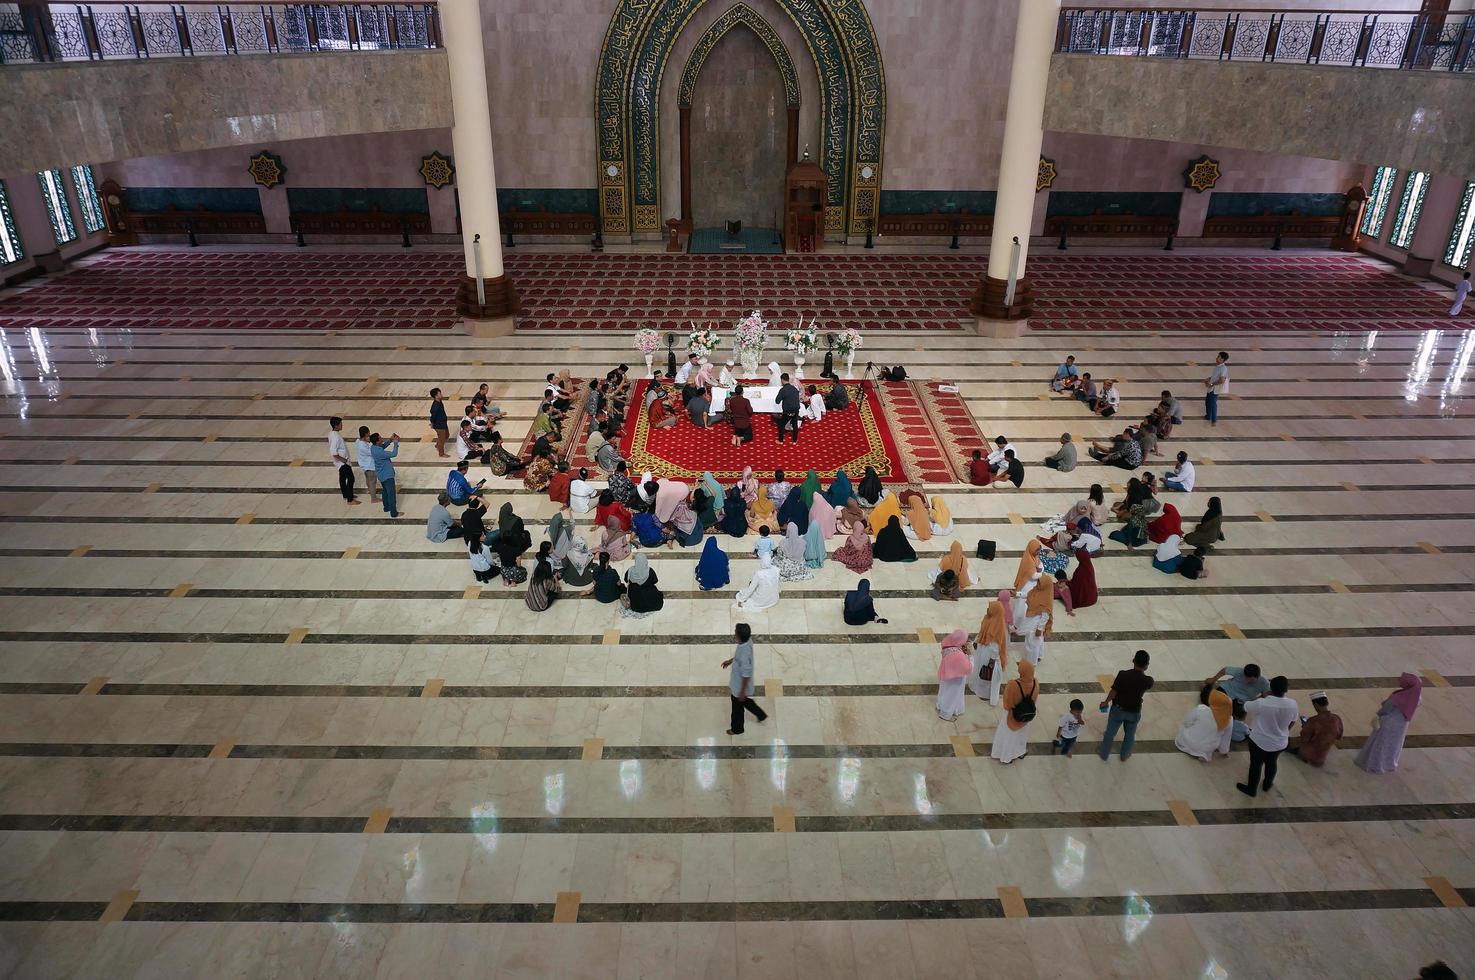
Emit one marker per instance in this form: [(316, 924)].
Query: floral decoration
[(702, 341), (750, 336), (801, 339), (848, 341), (647, 340)]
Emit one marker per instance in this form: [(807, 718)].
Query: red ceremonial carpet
[(908, 431)]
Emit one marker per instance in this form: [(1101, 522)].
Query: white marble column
[(1024, 131), (476, 178), (1431, 234)]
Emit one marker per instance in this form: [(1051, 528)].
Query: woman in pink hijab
[(669, 493), (749, 485), (952, 675), (1380, 752), (823, 514)]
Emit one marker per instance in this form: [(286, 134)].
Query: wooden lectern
[(804, 207)]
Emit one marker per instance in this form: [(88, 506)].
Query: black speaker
[(986, 549)]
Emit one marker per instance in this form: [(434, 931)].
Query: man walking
[(1217, 383), (438, 422), (740, 682), (1125, 700), (1271, 718), (384, 469), (338, 450), (789, 403)]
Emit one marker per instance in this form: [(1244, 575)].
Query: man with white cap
[(725, 379), (1319, 733)]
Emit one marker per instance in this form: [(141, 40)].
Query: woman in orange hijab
[(990, 654), (919, 520), (1030, 569), (956, 562), (883, 512), (1011, 739), (1039, 619)]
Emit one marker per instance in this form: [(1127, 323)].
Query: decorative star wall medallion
[(267, 169), (1046, 175), (437, 169), (1201, 174)]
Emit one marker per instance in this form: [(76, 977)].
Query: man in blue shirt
[(1244, 684), (438, 422), (384, 469), (459, 487), (1066, 375)]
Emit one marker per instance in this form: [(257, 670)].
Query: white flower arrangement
[(647, 340), (750, 336), (802, 340), (702, 341), (849, 341)]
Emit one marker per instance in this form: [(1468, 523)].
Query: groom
[(789, 402)]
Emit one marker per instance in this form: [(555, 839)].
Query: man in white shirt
[(1182, 476), (583, 496), (465, 448), (1109, 401), (364, 450), (996, 460), (1216, 384), (688, 369), (726, 378), (1271, 717), (338, 451)]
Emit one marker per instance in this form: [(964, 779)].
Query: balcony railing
[(32, 33), (1359, 39)]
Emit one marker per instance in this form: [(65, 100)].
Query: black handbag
[(986, 549)]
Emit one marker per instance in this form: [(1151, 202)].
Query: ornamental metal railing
[(1358, 39), (34, 33)]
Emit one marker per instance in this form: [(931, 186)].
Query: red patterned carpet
[(908, 431), (412, 289)]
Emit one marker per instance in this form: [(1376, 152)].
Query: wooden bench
[(576, 223), (937, 224), (1101, 224), (172, 221), (1267, 225), (370, 222)]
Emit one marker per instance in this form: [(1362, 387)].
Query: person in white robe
[(1011, 738), (952, 675), (815, 410), (583, 495), (775, 378), (990, 655), (1038, 619), (646, 498), (1208, 726), (763, 590), (726, 378)]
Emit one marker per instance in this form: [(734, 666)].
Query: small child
[(945, 587), (1062, 592), (1069, 728), (1239, 729), (765, 543)]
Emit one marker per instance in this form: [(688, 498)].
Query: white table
[(763, 400)]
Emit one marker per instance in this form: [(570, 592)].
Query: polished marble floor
[(248, 731)]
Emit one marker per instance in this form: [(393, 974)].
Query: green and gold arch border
[(632, 62), (740, 13)]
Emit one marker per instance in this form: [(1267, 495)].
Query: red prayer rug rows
[(910, 432), (193, 290)]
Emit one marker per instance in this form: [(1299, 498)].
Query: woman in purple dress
[(1380, 753)]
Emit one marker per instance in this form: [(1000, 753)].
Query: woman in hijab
[(1093, 507), (1165, 526), (611, 509), (712, 568), (892, 544), (669, 493), (990, 654), (788, 557), (952, 675), (648, 530), (809, 488), (615, 541), (814, 543), (561, 537), (942, 518), (1087, 537), (762, 591), (919, 521), (840, 491), (1029, 571), (821, 513), (685, 524), (870, 490), (704, 507), (642, 592), (850, 515), (883, 512), (514, 539), (576, 569), (775, 376), (859, 607), (1011, 739), (956, 562), (647, 498), (794, 512), (761, 513), (1207, 727), (1168, 556), (1381, 750), (542, 588), (1039, 621), (749, 486), (734, 513), (1083, 582), (855, 553), (714, 490), (1209, 531)]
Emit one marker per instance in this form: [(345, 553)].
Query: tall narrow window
[(10, 250), (1409, 206), (87, 198), (1377, 202), (56, 206), (1462, 235)]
